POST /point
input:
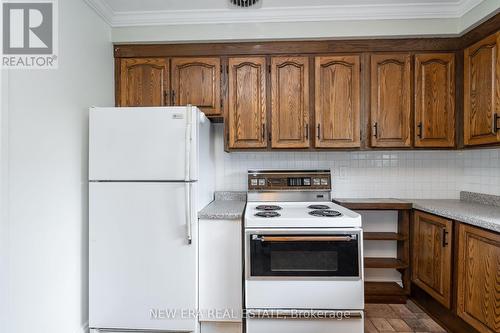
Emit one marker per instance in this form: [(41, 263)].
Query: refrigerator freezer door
[(143, 143), (143, 272)]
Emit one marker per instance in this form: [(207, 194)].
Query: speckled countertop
[(481, 210), (472, 208), (226, 206), (480, 215)]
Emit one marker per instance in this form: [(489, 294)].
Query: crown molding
[(430, 10), (102, 8)]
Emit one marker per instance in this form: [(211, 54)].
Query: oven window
[(302, 261), (296, 255)]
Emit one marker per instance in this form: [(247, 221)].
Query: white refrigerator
[(150, 172)]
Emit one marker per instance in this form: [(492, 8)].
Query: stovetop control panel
[(289, 180)]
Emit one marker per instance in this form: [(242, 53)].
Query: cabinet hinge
[(269, 68)]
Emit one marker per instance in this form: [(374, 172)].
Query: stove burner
[(325, 213), (268, 207), (318, 207), (268, 214)]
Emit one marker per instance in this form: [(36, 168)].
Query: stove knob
[(262, 181), (253, 182), (324, 181), (316, 182)]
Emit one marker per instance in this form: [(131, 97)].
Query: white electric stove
[(303, 256)]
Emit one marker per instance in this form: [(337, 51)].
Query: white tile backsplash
[(399, 174)]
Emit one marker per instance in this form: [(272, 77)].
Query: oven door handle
[(346, 238), (303, 314)]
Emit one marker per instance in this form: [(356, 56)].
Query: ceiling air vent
[(244, 3)]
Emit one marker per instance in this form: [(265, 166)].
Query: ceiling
[(122, 13)]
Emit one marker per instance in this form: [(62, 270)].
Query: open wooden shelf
[(385, 263), (376, 292), (385, 236)]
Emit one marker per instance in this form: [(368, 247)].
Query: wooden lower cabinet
[(478, 285), (432, 256)]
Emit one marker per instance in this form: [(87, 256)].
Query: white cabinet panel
[(220, 270)]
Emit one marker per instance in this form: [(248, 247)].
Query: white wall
[(47, 160), (399, 174), (304, 30)]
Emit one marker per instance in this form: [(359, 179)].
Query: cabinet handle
[(496, 126), (307, 131), (445, 237), (165, 97), (263, 132), (375, 132), (319, 132), (419, 133), (173, 97)]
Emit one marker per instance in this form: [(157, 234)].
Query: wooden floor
[(384, 318)]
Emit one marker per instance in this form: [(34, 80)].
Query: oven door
[(317, 254)]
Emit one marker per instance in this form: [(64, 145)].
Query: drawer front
[(354, 323)]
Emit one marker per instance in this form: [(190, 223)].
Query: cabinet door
[(247, 103), (435, 100), (143, 82), (337, 90), (390, 100), (290, 102), (482, 92), (196, 81), (432, 256), (479, 278), (220, 269)]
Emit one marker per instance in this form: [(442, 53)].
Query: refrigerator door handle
[(189, 121), (189, 232)]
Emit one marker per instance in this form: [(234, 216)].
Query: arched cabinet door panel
[(143, 82), (246, 116), (435, 100), (197, 81), (391, 100), (290, 102), (337, 101), (482, 92)]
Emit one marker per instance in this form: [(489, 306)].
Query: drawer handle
[(375, 130), (496, 126)]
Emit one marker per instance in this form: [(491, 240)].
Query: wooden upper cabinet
[(432, 246), (337, 101), (143, 82), (435, 100), (482, 92), (197, 81), (478, 286), (390, 100), (290, 102), (246, 118)]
